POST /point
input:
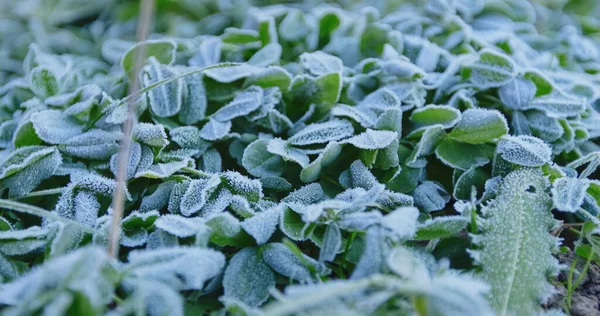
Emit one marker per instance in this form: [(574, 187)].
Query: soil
[(585, 300)]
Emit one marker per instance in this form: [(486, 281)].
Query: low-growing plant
[(308, 158)]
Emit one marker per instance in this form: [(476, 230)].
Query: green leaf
[(568, 194), (441, 227), (54, 127), (268, 55), (94, 144), (259, 162), (313, 171), (372, 139), (245, 102), (557, 104), (27, 167), (292, 225), (280, 147), (429, 115), (516, 246), (281, 259), (390, 120), (479, 126), (462, 155), (322, 133), (473, 178), (273, 76), (43, 82), (150, 134), (492, 69), (162, 50), (524, 150), (247, 277), (167, 99)]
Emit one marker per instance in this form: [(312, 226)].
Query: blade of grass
[(38, 211), (118, 202)]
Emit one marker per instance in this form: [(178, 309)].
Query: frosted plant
[(303, 158), (515, 229)]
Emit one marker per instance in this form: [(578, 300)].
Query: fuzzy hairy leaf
[(515, 255), (248, 278)]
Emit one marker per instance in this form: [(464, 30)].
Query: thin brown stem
[(118, 202)]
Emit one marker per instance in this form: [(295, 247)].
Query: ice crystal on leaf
[(516, 246)]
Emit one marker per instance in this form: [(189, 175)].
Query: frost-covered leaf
[(441, 227), (281, 259), (229, 74), (557, 104), (358, 176), (245, 102), (292, 225), (86, 208), (462, 155), (492, 69), (93, 144), (27, 167), (320, 63), (87, 273), (372, 139), (167, 99), (322, 133), (307, 194), (162, 51), (547, 128), (431, 137), (23, 242), (402, 222), (430, 196), (239, 184), (568, 194), (43, 82), (211, 161), (214, 130), (262, 225), (390, 120), (208, 54), (279, 147), (163, 170), (181, 268), (268, 55), (523, 150), (372, 259), (180, 226), (193, 109), (195, 196), (259, 162), (381, 99), (227, 230), (515, 255), (276, 183), (473, 179), (364, 116), (331, 244), (54, 127), (517, 93), (248, 278), (273, 76), (313, 171), (150, 134), (444, 115), (479, 126), (188, 137)]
